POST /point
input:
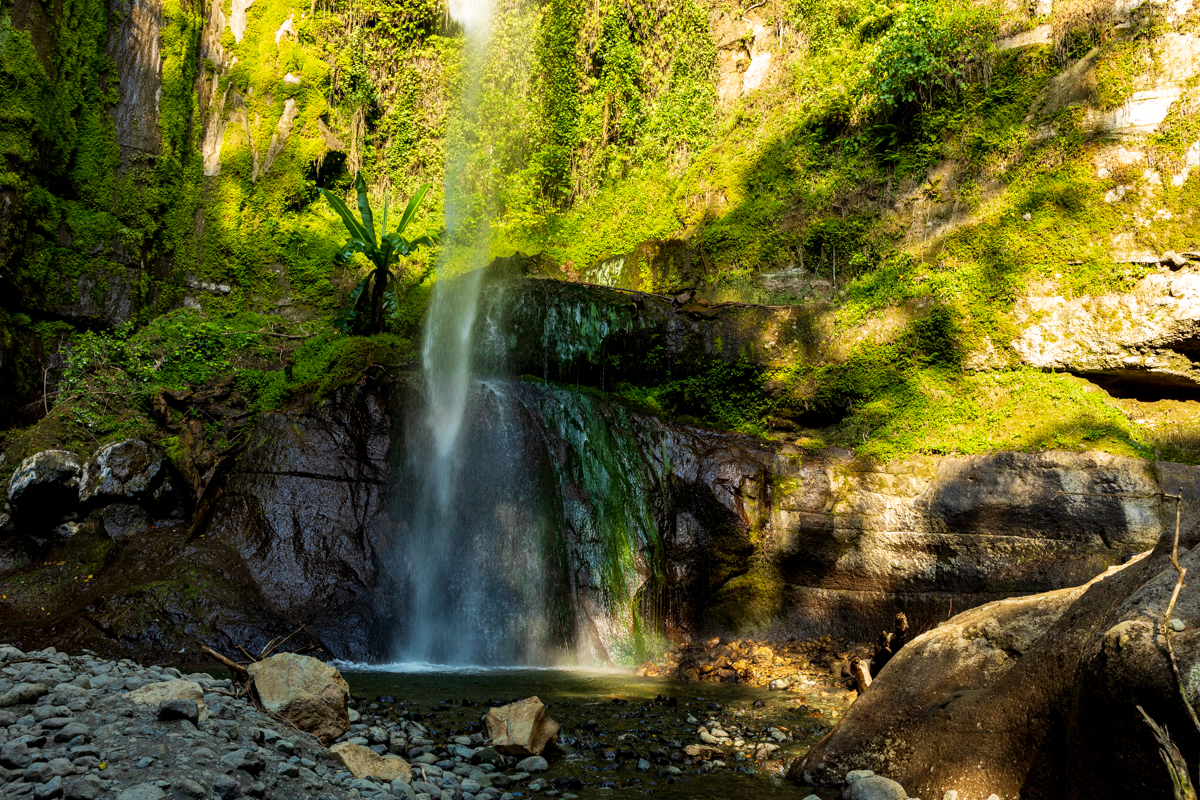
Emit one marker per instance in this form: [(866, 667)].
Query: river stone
[(23, 693), (143, 791), (532, 764), (521, 729), (155, 694), (363, 762), (45, 488), (874, 787), (126, 471), (306, 692)]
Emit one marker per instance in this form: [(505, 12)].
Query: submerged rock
[(306, 692), (521, 729)]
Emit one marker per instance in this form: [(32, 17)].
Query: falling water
[(478, 565)]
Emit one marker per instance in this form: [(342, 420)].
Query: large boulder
[(45, 489), (521, 729), (306, 692), (365, 763), (155, 694), (1037, 697), (131, 471)]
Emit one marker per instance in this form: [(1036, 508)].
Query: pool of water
[(612, 712)]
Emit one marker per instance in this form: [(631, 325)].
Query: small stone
[(61, 767), (244, 760), (179, 708), (143, 791), (49, 789), (72, 731), (1178, 625), (256, 789), (857, 774), (86, 787), (874, 787), (1027, 216), (188, 787), (226, 787), (289, 770), (643, 765), (143, 762), (532, 764), (993, 797), (15, 755), (950, 795), (778, 684)]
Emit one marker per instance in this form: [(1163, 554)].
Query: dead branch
[(233, 666), (273, 645)]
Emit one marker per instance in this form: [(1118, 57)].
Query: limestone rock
[(363, 763), (1141, 338), (521, 729), (45, 488), (155, 694), (129, 471), (307, 692)]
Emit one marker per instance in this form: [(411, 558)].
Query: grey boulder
[(45, 488), (128, 471)]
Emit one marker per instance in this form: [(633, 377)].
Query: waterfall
[(477, 568)]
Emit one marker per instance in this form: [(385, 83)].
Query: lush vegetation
[(892, 159), (365, 314)]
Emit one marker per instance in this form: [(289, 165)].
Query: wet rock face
[(303, 507), (732, 535)]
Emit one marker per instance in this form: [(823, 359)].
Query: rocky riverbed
[(80, 727)]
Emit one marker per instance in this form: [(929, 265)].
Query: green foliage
[(926, 51), (382, 252)]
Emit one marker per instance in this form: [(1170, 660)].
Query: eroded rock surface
[(1149, 337), (1036, 697)]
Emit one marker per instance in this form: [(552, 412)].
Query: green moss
[(748, 603)]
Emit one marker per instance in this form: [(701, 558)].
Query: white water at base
[(476, 568)]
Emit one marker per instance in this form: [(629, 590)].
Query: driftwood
[(862, 674)]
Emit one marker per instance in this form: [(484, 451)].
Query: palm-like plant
[(366, 309)]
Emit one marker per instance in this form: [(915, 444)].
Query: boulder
[(45, 488), (365, 763), (1038, 696), (874, 787), (306, 692), (131, 471), (521, 729), (155, 694), (123, 519)]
